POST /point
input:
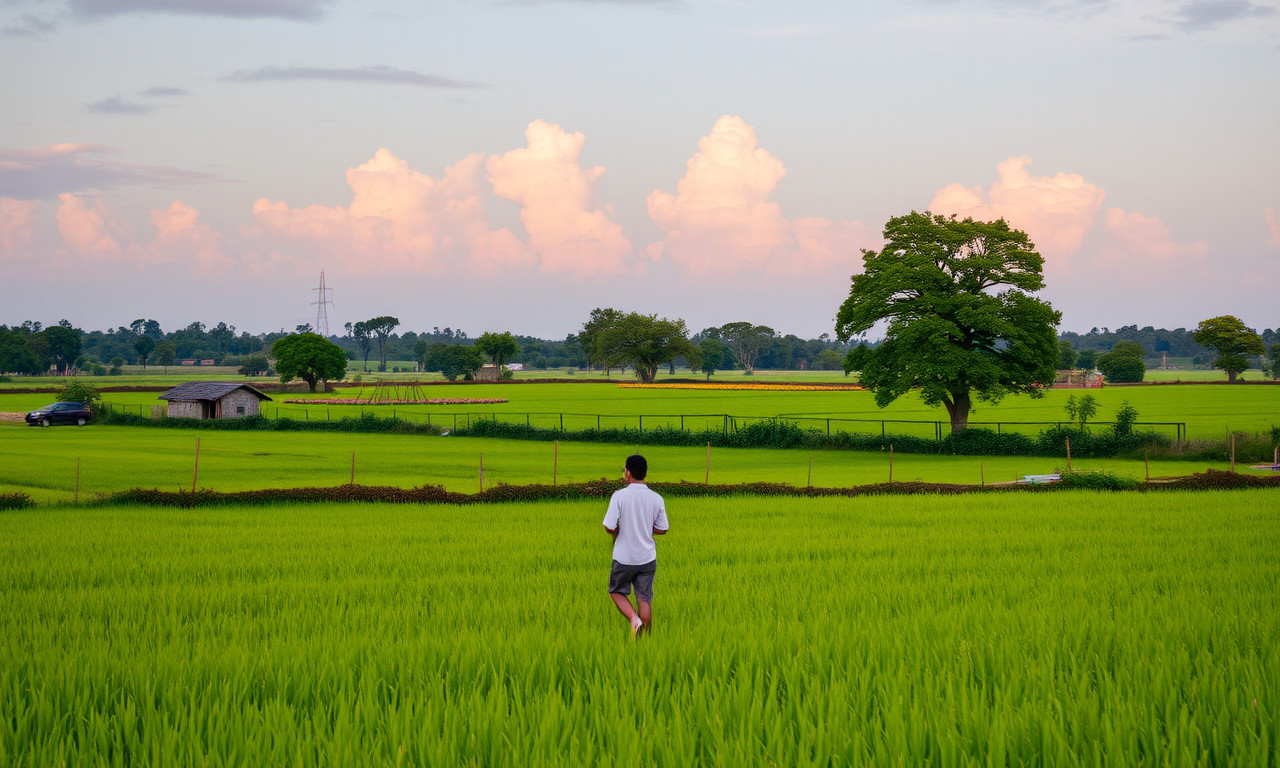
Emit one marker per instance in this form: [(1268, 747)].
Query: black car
[(60, 413)]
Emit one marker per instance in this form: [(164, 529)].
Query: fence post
[(810, 481), (891, 462), (1068, 454), (642, 423), (482, 473), (682, 422), (195, 474), (562, 422), (828, 427), (353, 467), (707, 481), (555, 462), (1233, 451), (882, 428), (77, 499)]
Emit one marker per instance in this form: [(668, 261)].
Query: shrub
[(1096, 480), (975, 441), (15, 501), (1126, 415), (507, 374), (1121, 369), (79, 392), (5, 379)]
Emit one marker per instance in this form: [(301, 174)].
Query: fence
[(562, 421)]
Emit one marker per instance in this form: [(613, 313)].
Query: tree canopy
[(712, 353), (381, 328), (646, 342), (961, 320), (1231, 341), (746, 341), (498, 346), (453, 360), (310, 357)]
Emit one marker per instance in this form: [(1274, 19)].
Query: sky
[(495, 165)]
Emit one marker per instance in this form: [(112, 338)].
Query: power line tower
[(322, 304)]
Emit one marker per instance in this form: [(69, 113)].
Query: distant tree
[(1231, 341), (364, 340), (310, 357), (1274, 357), (646, 342), (1066, 355), (1128, 349), (1087, 359), (143, 345), (63, 345), (712, 356), (16, 354), (1080, 411), (599, 320), (500, 347), (381, 328), (829, 360), (961, 317), (454, 360), (166, 354), (1121, 368), (304, 328), (746, 341), (257, 364), (117, 366), (420, 354)]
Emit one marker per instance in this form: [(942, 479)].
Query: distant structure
[(322, 312), (213, 400)]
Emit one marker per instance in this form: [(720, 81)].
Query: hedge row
[(365, 423), (601, 489), (15, 501)]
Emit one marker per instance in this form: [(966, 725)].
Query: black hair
[(637, 466)]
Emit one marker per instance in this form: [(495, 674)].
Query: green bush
[(79, 392), (1121, 369), (15, 501), (1096, 480)]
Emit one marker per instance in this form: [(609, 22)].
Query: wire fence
[(563, 421)]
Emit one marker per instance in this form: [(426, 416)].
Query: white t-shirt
[(635, 511)]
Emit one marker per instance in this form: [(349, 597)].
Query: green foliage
[(256, 365), (1087, 359), (1095, 480), (381, 327), (1231, 341), (1080, 411), (712, 354), (62, 345), (500, 347), (952, 333), (1121, 368), (1126, 415), (1066, 355), (645, 342), (1272, 369), (165, 354), (15, 501), (144, 345), (310, 357), (80, 392), (746, 341), (1126, 348), (454, 360)]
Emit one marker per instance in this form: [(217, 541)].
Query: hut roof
[(208, 390)]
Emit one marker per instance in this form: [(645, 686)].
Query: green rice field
[(1069, 629), (43, 462)]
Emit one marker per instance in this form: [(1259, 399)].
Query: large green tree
[(381, 328), (712, 352), (600, 319), (1231, 341), (143, 345), (962, 322), (746, 341), (363, 338), (63, 345), (166, 353), (310, 357), (453, 360), (500, 347), (646, 342)]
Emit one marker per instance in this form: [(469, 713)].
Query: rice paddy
[(1071, 629)]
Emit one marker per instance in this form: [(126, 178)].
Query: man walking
[(636, 514)]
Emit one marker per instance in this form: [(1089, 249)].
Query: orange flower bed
[(745, 387), (433, 401)]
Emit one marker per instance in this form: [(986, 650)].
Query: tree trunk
[(958, 410), (1231, 376)]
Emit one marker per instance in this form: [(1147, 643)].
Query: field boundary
[(1212, 480)]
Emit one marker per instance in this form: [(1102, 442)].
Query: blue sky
[(511, 165)]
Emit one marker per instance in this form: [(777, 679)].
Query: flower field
[(1076, 629)]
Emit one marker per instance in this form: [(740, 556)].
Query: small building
[(213, 400)]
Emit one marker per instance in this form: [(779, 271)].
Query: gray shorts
[(622, 576)]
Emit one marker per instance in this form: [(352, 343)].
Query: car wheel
[(45, 422), (80, 422)]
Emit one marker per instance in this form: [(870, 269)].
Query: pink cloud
[(399, 219), (567, 229), (1273, 224), (180, 236), (721, 218), (1055, 211), (17, 226), (1146, 238), (89, 227)]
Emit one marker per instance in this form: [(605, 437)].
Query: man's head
[(637, 467)]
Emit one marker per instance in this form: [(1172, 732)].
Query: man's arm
[(611, 531), (660, 531)]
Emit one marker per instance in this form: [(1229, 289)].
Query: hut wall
[(185, 409), (239, 403)]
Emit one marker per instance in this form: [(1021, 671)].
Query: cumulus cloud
[(45, 172), (298, 10), (1147, 238), (30, 25), (1056, 211), (1273, 224), (115, 105), (376, 74), (567, 228), (181, 237), (399, 220), (89, 227), (721, 218), (17, 226)]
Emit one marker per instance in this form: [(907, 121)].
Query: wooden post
[(353, 467), (1275, 457), (77, 499), (708, 479), (982, 471), (810, 483), (1068, 454), (1146, 464), (482, 473), (195, 475), (1233, 452), (555, 461), (891, 462)]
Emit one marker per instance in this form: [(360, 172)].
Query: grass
[(1077, 629), (42, 462)]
